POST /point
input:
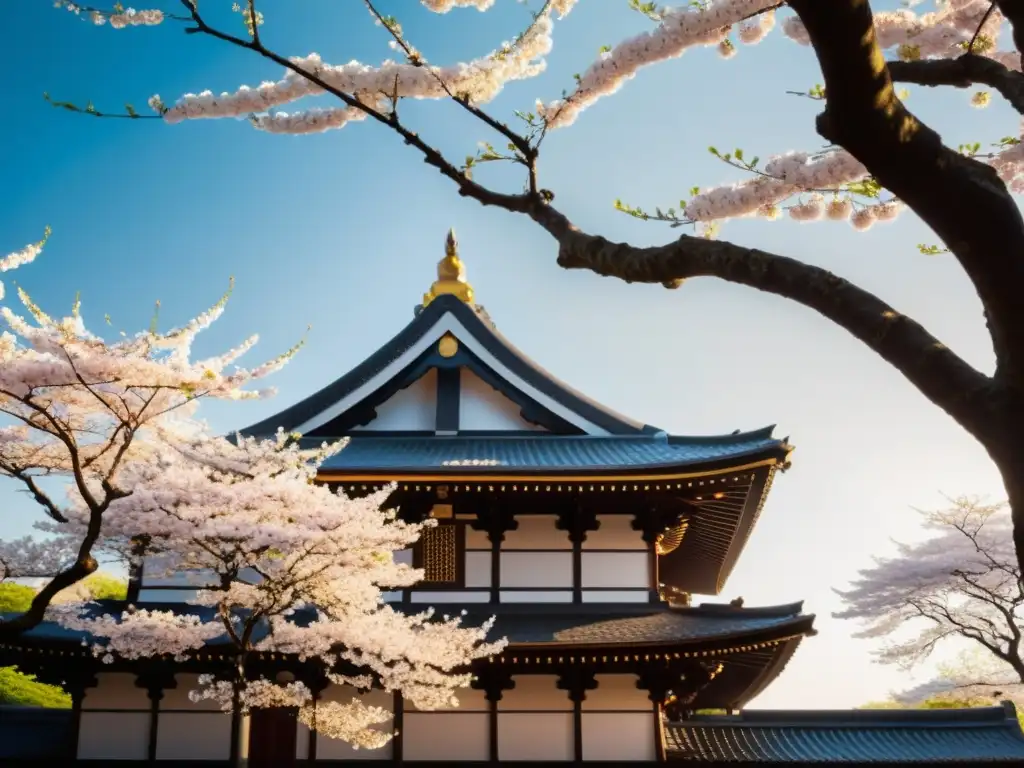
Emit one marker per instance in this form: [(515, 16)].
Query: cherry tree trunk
[(1005, 444)]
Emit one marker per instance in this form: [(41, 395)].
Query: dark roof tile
[(523, 624), (482, 454), (858, 736)]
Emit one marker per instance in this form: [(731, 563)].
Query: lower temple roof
[(925, 736), (631, 624), (587, 624)]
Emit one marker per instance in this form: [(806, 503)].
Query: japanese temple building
[(583, 531)]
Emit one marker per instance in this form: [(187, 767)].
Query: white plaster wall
[(401, 556), (617, 692), (470, 700), (536, 569), (461, 733), (451, 736), (619, 736), (454, 596), (616, 569), (615, 532), (193, 736), (113, 736), (535, 736), (477, 539), (482, 407), (116, 690), (336, 749), (535, 692), (478, 569), (412, 408), (552, 596), (536, 532)]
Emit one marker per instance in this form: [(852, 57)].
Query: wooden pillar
[(495, 519), (576, 681), (155, 681), (493, 682), (651, 523), (76, 686), (398, 723), (71, 748), (577, 520), (659, 735), (658, 680)]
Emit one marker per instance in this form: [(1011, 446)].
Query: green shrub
[(24, 690)]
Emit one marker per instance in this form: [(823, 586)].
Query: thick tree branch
[(1013, 10), (940, 374), (962, 200), (963, 72)]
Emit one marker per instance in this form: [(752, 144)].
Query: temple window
[(437, 553)]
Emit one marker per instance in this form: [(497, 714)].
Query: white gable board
[(447, 323), (481, 407), (411, 409)]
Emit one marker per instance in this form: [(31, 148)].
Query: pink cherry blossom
[(265, 544)]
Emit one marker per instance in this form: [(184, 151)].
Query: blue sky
[(342, 231)]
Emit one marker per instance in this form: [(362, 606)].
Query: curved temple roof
[(414, 411), (524, 624), (548, 453), (753, 644), (989, 735), (448, 314)]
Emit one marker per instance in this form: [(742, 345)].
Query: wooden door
[(272, 738)]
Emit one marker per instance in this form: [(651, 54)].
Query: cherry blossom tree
[(961, 589), (287, 566), (75, 407), (880, 159)]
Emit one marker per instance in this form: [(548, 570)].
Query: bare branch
[(963, 72)]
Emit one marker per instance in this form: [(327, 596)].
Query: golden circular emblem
[(448, 346)]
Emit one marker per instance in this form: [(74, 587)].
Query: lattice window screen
[(440, 564)]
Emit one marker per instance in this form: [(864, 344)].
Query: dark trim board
[(449, 400), (487, 337)]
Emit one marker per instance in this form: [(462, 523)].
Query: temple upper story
[(539, 489)]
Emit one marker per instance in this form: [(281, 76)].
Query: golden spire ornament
[(451, 275)]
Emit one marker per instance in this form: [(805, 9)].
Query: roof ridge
[(861, 718), (726, 609)]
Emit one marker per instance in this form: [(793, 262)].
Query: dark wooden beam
[(449, 386)]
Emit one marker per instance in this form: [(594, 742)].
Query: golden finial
[(451, 275)]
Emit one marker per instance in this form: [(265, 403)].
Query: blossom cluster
[(33, 558), (783, 177), (443, 6), (22, 257), (479, 80), (119, 19), (964, 575), (679, 30), (264, 545)]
